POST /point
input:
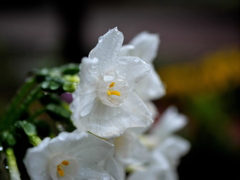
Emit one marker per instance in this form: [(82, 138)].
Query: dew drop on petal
[(100, 39), (136, 60)]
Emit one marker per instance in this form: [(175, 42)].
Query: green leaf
[(70, 69), (59, 110), (69, 87), (28, 128), (8, 138)]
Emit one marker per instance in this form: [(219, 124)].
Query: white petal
[(89, 74), (132, 68), (156, 169), (149, 140), (83, 146), (41, 155), (86, 91), (173, 148), (140, 116), (154, 172), (158, 158), (129, 150), (103, 121), (149, 174), (152, 108), (66, 141), (107, 49), (170, 122), (70, 170), (82, 105), (92, 172), (139, 130), (109, 122), (126, 50), (77, 147), (151, 87), (146, 46), (114, 168)]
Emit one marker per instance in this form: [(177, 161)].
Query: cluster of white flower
[(112, 110)]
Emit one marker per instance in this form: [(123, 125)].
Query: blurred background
[(198, 60)]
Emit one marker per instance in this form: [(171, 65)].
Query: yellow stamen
[(59, 168), (117, 93), (112, 92), (112, 84), (65, 163), (60, 171), (109, 93)]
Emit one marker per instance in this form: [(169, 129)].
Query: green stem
[(12, 164), (7, 119), (34, 140), (35, 94), (15, 112)]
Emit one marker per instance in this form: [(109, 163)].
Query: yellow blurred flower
[(214, 72)]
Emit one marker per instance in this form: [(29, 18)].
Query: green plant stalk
[(35, 94), (12, 164), (17, 112), (9, 114), (34, 140)]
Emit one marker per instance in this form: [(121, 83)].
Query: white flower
[(145, 46), (113, 167), (173, 148), (105, 102), (166, 148), (69, 156), (128, 150), (170, 122), (158, 168), (163, 138)]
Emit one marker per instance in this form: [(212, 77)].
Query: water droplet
[(100, 39), (60, 127), (136, 60)]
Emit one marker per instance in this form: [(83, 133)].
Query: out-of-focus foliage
[(215, 72), (207, 90)]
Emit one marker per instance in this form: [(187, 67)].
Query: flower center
[(110, 91), (60, 170), (63, 166)]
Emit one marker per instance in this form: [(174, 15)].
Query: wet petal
[(133, 68), (146, 46), (107, 49), (92, 172), (41, 155), (151, 87), (114, 168), (174, 148), (170, 122), (110, 122), (129, 149)]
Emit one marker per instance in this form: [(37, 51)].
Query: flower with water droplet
[(158, 168), (145, 46), (105, 102), (69, 156), (165, 148), (172, 146), (128, 150)]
